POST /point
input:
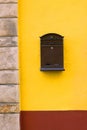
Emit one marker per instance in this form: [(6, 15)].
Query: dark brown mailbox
[(52, 52)]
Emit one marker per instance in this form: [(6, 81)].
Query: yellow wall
[(53, 90)]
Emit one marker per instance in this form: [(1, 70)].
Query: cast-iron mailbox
[(52, 52)]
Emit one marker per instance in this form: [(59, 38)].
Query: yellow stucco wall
[(65, 90)]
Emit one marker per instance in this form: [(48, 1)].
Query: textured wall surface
[(65, 90), (9, 82)]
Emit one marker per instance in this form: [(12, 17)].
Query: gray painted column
[(9, 82)]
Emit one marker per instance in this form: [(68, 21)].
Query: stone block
[(9, 122), (8, 27), (8, 10), (9, 58), (9, 93), (9, 108), (8, 1), (9, 77), (8, 41)]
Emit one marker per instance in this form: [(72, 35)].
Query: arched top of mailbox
[(51, 36)]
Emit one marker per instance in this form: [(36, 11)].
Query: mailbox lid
[(51, 36)]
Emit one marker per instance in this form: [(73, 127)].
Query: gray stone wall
[(9, 81)]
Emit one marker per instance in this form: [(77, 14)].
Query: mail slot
[(52, 57)]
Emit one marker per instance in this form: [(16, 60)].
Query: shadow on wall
[(52, 74)]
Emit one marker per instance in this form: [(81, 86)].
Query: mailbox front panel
[(51, 56)]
